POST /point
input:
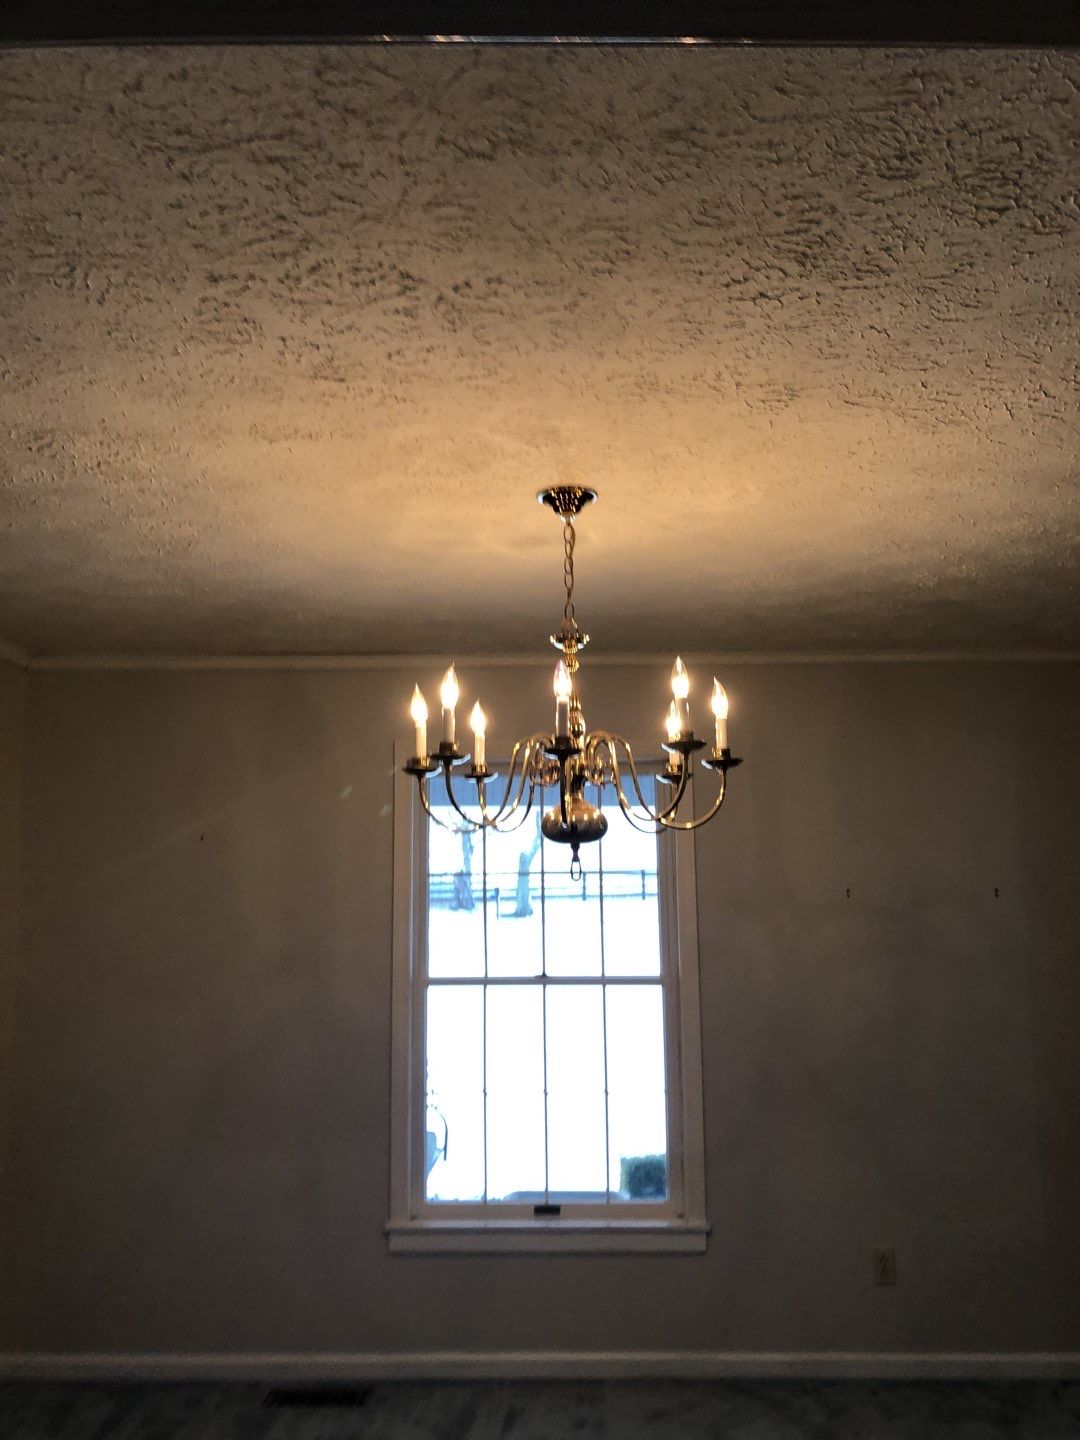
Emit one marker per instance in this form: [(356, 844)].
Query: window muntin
[(548, 1025)]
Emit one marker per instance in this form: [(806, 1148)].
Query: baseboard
[(544, 1365)]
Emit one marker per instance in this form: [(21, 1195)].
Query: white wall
[(201, 1097)]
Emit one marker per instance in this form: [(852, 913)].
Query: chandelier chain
[(569, 540)]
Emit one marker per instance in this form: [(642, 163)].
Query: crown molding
[(531, 661)]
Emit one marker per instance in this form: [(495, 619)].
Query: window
[(547, 1086)]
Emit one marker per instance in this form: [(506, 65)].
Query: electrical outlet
[(885, 1266)]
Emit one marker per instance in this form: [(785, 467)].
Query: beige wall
[(201, 1099)]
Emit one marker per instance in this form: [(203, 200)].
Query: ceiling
[(290, 337)]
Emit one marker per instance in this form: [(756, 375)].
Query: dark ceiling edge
[(1052, 24), (525, 42)]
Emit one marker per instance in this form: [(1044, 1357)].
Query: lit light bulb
[(720, 710), (563, 688), (419, 712), (448, 694), (449, 691), (680, 688), (478, 721), (671, 723)]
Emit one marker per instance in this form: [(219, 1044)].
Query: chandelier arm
[(663, 818), (503, 822), (656, 817), (520, 818), (603, 738), (645, 824), (474, 825), (659, 815), (487, 822), (700, 820), (469, 828), (522, 768), (509, 801)]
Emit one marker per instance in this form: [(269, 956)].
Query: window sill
[(547, 1237)]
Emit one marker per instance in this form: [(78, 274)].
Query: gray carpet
[(601, 1410)]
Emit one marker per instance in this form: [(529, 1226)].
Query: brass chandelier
[(569, 758)]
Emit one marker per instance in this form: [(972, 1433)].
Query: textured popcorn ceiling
[(290, 337)]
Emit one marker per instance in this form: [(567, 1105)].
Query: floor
[(658, 1410)]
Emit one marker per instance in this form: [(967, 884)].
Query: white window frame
[(418, 1225)]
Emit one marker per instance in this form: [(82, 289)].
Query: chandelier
[(569, 758)]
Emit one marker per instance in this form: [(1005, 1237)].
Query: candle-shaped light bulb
[(478, 721), (563, 688), (419, 712), (449, 690), (671, 724), (680, 688), (720, 711), (448, 694)]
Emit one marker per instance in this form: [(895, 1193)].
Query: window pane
[(575, 1076), (575, 1039), (515, 1081), (454, 1146), (515, 944), (576, 1135), (637, 1103), (631, 926), (631, 912), (515, 1038), (635, 1037), (455, 896), (454, 1122), (637, 1130), (515, 1126), (455, 1038), (571, 912)]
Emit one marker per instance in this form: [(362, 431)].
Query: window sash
[(610, 1207), (667, 981)]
